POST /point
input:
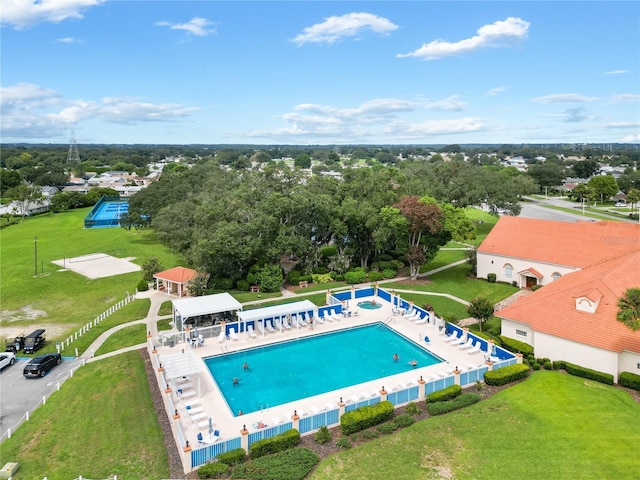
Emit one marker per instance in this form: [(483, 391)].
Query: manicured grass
[(243, 297), (69, 299), (444, 257), (321, 286), (587, 214), (127, 337), (166, 308), (101, 423), (318, 299), (455, 281), (552, 426), (164, 324), (443, 306)]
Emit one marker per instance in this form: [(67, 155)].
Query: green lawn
[(127, 337), (69, 300), (101, 423), (455, 281), (552, 426), (166, 308)]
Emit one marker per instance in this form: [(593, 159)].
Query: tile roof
[(578, 244), (552, 308), (532, 271), (176, 274)]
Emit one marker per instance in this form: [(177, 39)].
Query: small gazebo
[(174, 281)]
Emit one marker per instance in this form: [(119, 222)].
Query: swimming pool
[(292, 370), (106, 213)]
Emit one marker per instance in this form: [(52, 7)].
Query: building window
[(521, 333), (555, 275), (508, 271)]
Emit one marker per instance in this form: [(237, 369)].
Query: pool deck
[(210, 403)]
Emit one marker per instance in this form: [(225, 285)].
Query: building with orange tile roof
[(573, 318), (529, 252), (174, 281)]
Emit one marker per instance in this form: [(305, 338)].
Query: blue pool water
[(297, 369), (111, 210), (369, 305)]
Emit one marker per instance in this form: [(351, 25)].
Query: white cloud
[(31, 111), (625, 97), (69, 40), (334, 29), (495, 91), (621, 125), (631, 138), (442, 127), (27, 13), (196, 26), (449, 104), (499, 34), (616, 72), (564, 98)]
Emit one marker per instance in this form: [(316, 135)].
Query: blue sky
[(330, 72)]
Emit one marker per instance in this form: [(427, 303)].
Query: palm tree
[(629, 309)]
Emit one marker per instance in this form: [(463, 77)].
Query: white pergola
[(182, 365), (283, 310), (186, 308)]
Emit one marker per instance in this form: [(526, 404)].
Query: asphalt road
[(18, 394)]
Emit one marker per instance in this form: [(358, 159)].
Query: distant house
[(585, 267)]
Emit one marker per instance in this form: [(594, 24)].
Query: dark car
[(34, 341), (15, 344), (40, 365)]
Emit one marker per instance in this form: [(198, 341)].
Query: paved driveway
[(18, 394)]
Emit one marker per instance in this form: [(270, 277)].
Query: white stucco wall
[(492, 263), (630, 362), (509, 330)]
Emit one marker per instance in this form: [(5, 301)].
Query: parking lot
[(19, 395)]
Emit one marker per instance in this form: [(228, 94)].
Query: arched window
[(555, 275), (508, 270)]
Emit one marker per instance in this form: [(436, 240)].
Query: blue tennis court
[(292, 370)]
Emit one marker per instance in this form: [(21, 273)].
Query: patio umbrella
[(210, 427)]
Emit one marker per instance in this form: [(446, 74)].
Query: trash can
[(172, 342)]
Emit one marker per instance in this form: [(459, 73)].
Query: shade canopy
[(179, 365), (208, 304), (276, 311)]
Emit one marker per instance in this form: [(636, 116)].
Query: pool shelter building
[(187, 310), (174, 281)]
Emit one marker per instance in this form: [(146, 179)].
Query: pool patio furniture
[(466, 345), (250, 331), (232, 334), (476, 348)]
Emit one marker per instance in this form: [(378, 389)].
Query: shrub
[(323, 435), (583, 372), (629, 380), (142, 286), (339, 277), (384, 257), (388, 273), (357, 276), (292, 464), (536, 366), (232, 457), (375, 276), (320, 270), (516, 346), (344, 443), (275, 444), (328, 251), (460, 401), (413, 409), (243, 285), (535, 287), (150, 268), (448, 393), (387, 428), (213, 470), (365, 417), (505, 375), (370, 434), (222, 283), (491, 277), (293, 277), (404, 420), (548, 365), (321, 278)]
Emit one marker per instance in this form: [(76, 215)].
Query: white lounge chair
[(270, 327), (320, 319), (232, 334), (334, 315), (327, 315), (467, 345), (276, 420), (261, 328), (415, 315), (250, 331), (278, 323), (294, 321), (453, 338), (221, 337), (476, 348), (302, 322), (420, 321), (314, 409), (285, 324)]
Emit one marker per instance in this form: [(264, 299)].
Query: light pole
[(35, 254)]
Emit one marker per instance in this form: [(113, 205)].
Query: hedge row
[(516, 346), (365, 417), (505, 375), (292, 464), (280, 442), (232, 457), (460, 401), (448, 393), (583, 372), (629, 380)]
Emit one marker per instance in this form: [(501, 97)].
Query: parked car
[(34, 341), (6, 359), (621, 203), (40, 365), (15, 344)]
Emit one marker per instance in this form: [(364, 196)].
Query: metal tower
[(73, 156)]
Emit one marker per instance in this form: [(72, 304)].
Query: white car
[(6, 359), (621, 203)]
